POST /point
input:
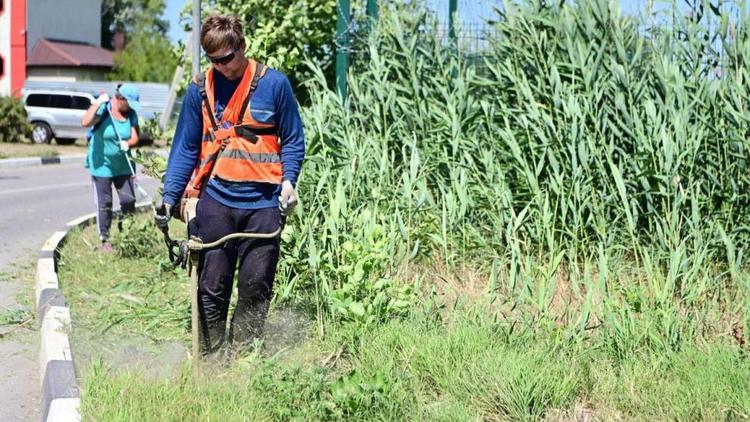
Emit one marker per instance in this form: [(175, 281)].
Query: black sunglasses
[(223, 59)]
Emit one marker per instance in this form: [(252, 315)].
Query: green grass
[(15, 316), (114, 296), (413, 370), (469, 363), (18, 312)]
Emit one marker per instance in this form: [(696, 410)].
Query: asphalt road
[(34, 202)]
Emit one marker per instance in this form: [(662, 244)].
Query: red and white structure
[(12, 46)]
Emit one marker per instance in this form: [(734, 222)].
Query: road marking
[(38, 188)]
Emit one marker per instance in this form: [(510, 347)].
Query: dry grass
[(468, 284), (583, 412), (28, 149)]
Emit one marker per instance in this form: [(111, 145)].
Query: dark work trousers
[(257, 260), (103, 200)]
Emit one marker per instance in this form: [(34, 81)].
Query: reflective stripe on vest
[(240, 149)]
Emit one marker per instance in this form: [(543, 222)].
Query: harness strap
[(248, 132), (200, 80), (260, 71)]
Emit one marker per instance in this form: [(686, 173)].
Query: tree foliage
[(126, 15), (283, 33), (148, 55), (146, 58)]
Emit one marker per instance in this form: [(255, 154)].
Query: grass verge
[(28, 149), (131, 312), (469, 365), (412, 370)]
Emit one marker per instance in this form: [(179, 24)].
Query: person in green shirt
[(115, 131)]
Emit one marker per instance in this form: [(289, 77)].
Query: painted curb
[(60, 396), (56, 368)]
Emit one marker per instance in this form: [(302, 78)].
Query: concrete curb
[(60, 398), (65, 159), (38, 161)]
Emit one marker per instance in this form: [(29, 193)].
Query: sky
[(470, 11), (172, 13)]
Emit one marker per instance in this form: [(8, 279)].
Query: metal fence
[(464, 23), (471, 28)]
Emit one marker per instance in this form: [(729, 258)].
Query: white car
[(56, 114)]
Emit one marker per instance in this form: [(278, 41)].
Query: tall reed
[(597, 160)]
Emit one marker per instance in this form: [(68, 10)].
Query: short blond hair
[(219, 32)]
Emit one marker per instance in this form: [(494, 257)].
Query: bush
[(13, 124)]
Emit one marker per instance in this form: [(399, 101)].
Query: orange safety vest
[(238, 148)]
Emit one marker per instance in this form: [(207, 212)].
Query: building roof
[(65, 53)]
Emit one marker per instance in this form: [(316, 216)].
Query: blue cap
[(130, 92)]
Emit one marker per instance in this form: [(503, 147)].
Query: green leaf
[(357, 309)]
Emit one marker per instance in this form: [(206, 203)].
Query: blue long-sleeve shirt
[(272, 102)]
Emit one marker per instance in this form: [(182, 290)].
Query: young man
[(240, 130)]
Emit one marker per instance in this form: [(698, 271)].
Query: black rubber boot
[(213, 338), (213, 326), (247, 322)]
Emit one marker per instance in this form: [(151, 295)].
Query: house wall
[(69, 20), (12, 46), (5, 48), (65, 74), (18, 46)]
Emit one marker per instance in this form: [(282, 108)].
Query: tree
[(125, 15), (148, 55), (146, 58), (283, 33)]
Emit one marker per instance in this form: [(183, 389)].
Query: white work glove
[(102, 98), (124, 146), (288, 198)]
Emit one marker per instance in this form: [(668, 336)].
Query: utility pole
[(372, 9), (166, 112), (342, 46), (196, 37), (452, 7)]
